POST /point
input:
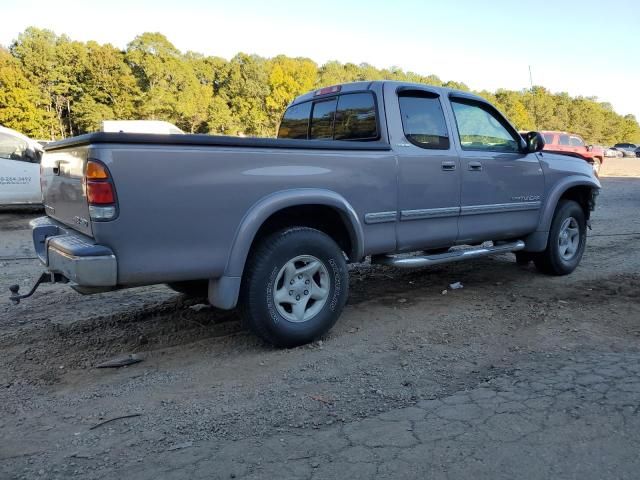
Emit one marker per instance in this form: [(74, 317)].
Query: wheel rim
[(569, 239), (301, 288)]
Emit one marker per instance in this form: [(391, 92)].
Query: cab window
[(576, 142), (356, 117), (350, 116), (13, 148), (423, 120), (295, 123), (322, 120), (479, 128), (564, 140)]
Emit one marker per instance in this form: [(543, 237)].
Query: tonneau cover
[(212, 140)]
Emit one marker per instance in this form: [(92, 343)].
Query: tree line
[(53, 87)]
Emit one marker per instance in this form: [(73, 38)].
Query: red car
[(573, 144)]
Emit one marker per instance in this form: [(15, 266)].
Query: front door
[(502, 184), (428, 173)]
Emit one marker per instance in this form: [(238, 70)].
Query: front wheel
[(295, 287), (567, 240)]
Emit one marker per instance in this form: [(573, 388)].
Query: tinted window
[(423, 121), (564, 140), (13, 148), (355, 117), (548, 138), (576, 142), (481, 129), (322, 120), (295, 122)]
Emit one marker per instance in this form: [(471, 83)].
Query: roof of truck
[(369, 85)]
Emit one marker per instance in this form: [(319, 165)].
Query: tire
[(308, 261), (563, 253), (191, 288)]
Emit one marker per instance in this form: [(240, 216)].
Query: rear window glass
[(322, 120), (548, 138), (295, 123), (423, 121), (351, 116), (355, 117)]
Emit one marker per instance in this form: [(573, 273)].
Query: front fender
[(553, 197), (267, 206)]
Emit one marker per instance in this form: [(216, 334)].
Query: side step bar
[(455, 256)]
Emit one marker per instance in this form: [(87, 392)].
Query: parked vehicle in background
[(141, 126), (19, 169), (572, 143), (612, 153), (627, 149), (378, 169), (638, 152)]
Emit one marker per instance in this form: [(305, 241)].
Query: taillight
[(100, 192)]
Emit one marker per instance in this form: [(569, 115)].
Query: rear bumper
[(75, 256)]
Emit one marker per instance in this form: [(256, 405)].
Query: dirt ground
[(400, 388)]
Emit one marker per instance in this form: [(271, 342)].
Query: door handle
[(475, 166), (448, 166)]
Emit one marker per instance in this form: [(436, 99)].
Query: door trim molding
[(380, 217), (445, 212), (425, 213), (500, 208)]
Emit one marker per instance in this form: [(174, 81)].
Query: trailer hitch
[(46, 277)]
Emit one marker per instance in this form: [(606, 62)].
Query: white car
[(19, 169)]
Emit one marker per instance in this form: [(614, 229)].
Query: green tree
[(288, 78), (160, 71), (19, 100)]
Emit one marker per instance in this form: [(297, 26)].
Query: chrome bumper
[(73, 255)]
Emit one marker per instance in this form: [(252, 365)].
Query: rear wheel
[(567, 240), (295, 287)]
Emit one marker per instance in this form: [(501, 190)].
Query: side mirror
[(535, 142), (589, 148)]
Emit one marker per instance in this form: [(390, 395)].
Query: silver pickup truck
[(410, 175)]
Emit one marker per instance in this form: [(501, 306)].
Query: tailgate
[(63, 191)]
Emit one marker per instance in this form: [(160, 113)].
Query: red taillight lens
[(100, 193)]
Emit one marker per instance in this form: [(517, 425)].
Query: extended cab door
[(502, 184), (428, 169), (19, 172)]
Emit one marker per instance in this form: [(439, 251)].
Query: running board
[(448, 257)]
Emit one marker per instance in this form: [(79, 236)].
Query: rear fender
[(224, 291)]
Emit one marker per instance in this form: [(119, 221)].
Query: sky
[(585, 47)]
